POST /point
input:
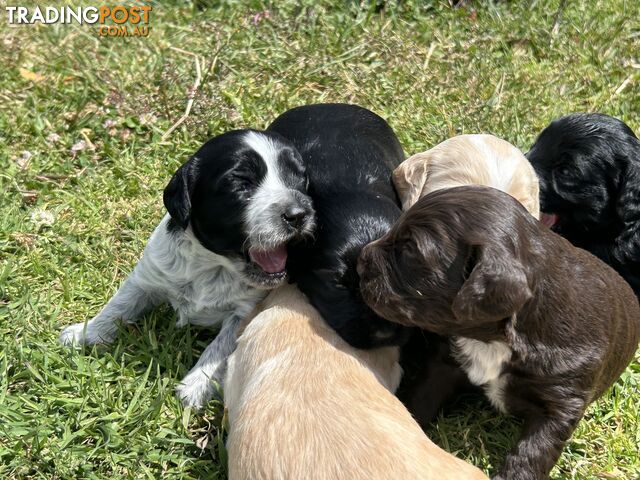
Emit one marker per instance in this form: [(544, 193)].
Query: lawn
[(85, 151)]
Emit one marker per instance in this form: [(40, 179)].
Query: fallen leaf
[(24, 239), (29, 197), (202, 442), (31, 76)]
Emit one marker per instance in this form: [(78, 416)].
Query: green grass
[(73, 224)]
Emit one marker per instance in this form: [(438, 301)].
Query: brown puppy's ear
[(497, 287), (410, 177)]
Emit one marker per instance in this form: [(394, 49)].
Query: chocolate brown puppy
[(552, 326), (431, 374)]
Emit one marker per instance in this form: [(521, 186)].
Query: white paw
[(196, 389), (83, 334), (73, 334)]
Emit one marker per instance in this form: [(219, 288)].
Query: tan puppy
[(303, 404), (469, 160)]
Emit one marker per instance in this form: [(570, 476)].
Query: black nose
[(294, 216)]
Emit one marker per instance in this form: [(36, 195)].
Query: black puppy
[(589, 170), (349, 154), (542, 327)]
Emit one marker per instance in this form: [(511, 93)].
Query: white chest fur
[(483, 363), (203, 287)]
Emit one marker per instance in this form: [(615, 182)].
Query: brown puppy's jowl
[(302, 404), (471, 262)]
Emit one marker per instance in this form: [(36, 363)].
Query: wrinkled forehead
[(279, 158)]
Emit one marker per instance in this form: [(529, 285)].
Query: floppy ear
[(177, 194), (627, 245), (497, 287), (532, 202), (410, 177)]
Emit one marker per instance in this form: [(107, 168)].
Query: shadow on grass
[(471, 428)]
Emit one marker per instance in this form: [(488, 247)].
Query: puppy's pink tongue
[(549, 219), (271, 261)]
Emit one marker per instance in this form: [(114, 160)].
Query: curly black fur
[(589, 170)]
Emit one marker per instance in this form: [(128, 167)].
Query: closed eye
[(244, 178), (249, 171)]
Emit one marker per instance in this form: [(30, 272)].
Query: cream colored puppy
[(469, 160), (303, 404)]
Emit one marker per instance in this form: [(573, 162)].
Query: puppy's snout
[(295, 216), (298, 214)]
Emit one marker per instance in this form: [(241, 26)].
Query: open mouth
[(272, 262), (551, 220)]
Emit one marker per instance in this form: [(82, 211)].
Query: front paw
[(72, 335), (76, 334), (196, 389), (84, 334)]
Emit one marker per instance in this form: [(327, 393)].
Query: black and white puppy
[(234, 208), (589, 170), (349, 153)]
